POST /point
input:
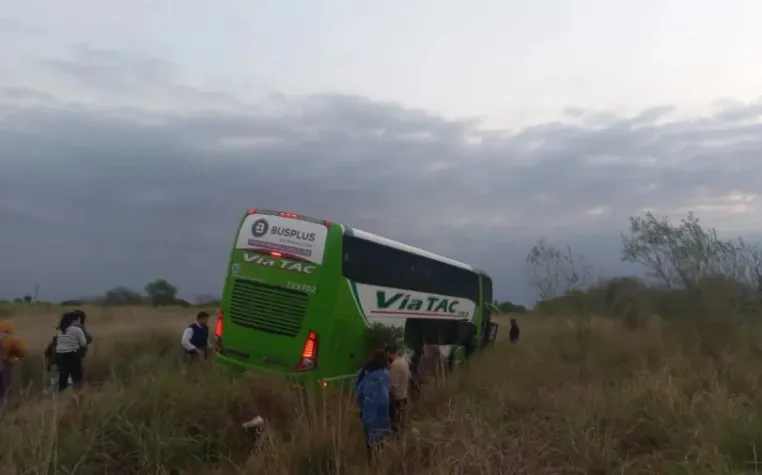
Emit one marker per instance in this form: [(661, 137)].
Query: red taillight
[(218, 327), (276, 254), (289, 215), (309, 346), (326, 223), (252, 211), (218, 330), (308, 361)]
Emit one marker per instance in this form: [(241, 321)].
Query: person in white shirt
[(195, 338), (70, 344), (399, 370)]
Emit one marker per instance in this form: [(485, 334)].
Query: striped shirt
[(72, 340)]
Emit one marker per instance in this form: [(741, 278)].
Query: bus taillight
[(289, 215), (276, 254), (252, 211), (308, 361), (218, 330)]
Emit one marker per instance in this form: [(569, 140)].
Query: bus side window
[(369, 263)]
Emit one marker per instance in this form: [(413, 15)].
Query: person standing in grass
[(195, 338), (50, 351), (431, 366), (81, 324), (513, 334), (373, 387), (399, 371), (12, 349), (70, 345)]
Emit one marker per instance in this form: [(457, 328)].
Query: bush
[(382, 336)]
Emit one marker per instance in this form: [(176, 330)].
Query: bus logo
[(260, 227), (378, 302), (283, 264), (403, 301)]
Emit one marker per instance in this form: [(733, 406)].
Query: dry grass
[(37, 323), (574, 397)]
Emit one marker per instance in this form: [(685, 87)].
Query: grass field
[(574, 396)]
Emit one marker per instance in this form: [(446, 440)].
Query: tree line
[(159, 293), (686, 269)]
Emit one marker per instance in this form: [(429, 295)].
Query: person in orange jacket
[(12, 349)]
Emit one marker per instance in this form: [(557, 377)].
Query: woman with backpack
[(71, 344)]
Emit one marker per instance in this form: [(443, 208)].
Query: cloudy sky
[(134, 134)]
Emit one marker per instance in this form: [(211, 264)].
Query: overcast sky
[(134, 134)]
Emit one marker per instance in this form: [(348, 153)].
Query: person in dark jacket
[(513, 335), (195, 338)]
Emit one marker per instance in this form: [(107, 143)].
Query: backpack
[(50, 351)]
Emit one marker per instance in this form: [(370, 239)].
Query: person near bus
[(195, 338), (467, 340), (431, 366), (81, 324), (399, 371), (513, 334), (373, 387), (70, 346), (415, 364), (12, 349)]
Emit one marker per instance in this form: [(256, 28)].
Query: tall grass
[(574, 396)]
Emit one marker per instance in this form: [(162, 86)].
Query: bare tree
[(750, 264), (678, 255), (556, 271)]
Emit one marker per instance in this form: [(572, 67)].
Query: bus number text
[(311, 289)]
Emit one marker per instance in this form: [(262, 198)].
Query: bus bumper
[(306, 378)]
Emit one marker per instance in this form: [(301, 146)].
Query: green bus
[(300, 293)]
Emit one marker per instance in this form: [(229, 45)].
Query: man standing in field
[(399, 370), (12, 349), (195, 339), (513, 335)]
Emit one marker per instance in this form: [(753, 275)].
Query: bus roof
[(358, 233)]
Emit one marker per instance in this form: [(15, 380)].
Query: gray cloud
[(113, 70), (8, 26), (92, 197)]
